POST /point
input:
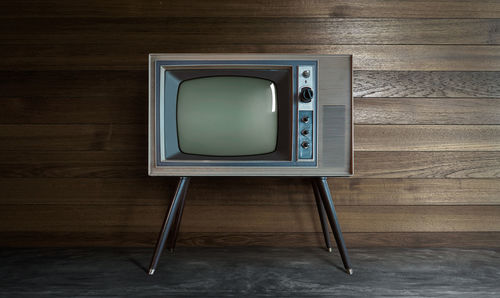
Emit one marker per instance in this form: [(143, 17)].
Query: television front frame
[(333, 147)]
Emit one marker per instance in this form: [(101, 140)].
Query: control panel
[(305, 140), (306, 113)]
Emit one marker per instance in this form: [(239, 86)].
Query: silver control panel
[(306, 113)]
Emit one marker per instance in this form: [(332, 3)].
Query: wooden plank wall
[(73, 92)]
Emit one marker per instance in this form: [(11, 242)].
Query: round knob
[(306, 94), (305, 119), (305, 132), (305, 145), (306, 73)]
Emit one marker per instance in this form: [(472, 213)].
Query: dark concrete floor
[(257, 271)]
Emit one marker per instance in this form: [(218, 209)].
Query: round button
[(305, 119), (306, 73), (306, 94), (305, 132), (305, 145)]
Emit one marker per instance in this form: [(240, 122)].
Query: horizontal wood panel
[(73, 164), (243, 8), (427, 164), (88, 218), (186, 30), (76, 84), (74, 113), (102, 56), (426, 84), (80, 164), (126, 84), (131, 109), (75, 109), (77, 137), (248, 191), (415, 239), (416, 57), (427, 111), (120, 97), (80, 137), (426, 137), (295, 239)]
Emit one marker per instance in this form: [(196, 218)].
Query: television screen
[(227, 116)]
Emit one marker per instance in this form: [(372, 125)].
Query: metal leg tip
[(350, 271), (330, 249), (151, 271)]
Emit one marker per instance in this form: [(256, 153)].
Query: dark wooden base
[(249, 272)]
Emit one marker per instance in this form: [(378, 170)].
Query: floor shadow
[(138, 264), (340, 268), (331, 258)]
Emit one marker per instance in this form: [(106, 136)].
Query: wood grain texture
[(126, 109), (248, 191), (429, 111), (388, 239), (113, 56), (242, 8), (85, 137), (126, 84), (99, 218), (73, 164), (250, 272), (76, 137), (129, 109), (426, 84), (74, 84), (426, 138), (427, 164), (295, 239), (126, 31), (131, 164), (73, 81), (118, 97)]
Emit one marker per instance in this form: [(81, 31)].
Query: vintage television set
[(250, 115)]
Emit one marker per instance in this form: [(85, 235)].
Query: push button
[(305, 132)]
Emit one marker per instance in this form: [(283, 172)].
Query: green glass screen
[(227, 116)]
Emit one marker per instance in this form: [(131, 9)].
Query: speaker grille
[(334, 136)]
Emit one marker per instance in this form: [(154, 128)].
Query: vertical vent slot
[(334, 132)]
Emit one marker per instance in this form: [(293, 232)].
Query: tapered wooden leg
[(168, 222), (322, 216), (332, 216), (172, 238)]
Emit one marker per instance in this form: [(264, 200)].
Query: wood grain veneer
[(73, 81)]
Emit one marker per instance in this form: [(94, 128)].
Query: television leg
[(172, 239), (322, 216), (332, 217), (168, 222)]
